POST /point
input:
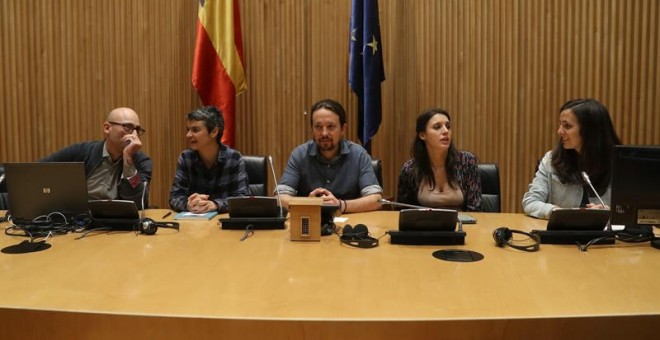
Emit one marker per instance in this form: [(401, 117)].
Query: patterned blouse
[(467, 175)]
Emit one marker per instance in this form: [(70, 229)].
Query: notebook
[(187, 215), (37, 189), (259, 211)]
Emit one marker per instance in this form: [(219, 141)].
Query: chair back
[(378, 170), (257, 171), (490, 187)]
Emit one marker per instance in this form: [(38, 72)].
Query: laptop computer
[(37, 189), (259, 211)]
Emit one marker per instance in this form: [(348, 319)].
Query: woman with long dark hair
[(438, 175), (586, 143)]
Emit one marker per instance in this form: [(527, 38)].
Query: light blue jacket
[(546, 192)]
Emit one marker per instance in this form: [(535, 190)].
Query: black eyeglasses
[(129, 128)]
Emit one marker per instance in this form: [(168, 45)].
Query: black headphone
[(148, 226), (357, 236), (503, 237)]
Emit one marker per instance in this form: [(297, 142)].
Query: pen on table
[(166, 215)]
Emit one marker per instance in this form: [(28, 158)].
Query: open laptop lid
[(578, 219), (36, 189), (428, 220)]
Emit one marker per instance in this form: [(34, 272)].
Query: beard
[(326, 144)]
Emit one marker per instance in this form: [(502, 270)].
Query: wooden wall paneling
[(502, 69)]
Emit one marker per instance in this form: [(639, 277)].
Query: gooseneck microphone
[(272, 169), (384, 201), (588, 181), (144, 192)]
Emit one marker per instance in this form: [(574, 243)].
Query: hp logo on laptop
[(45, 190)]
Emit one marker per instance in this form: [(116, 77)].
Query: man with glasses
[(115, 167), (330, 166)]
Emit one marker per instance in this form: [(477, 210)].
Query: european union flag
[(366, 70)]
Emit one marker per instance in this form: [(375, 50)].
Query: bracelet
[(343, 211)]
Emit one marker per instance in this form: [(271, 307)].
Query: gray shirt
[(103, 181), (547, 192), (350, 175)]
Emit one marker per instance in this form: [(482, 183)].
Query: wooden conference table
[(202, 282)]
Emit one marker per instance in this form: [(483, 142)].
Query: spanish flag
[(218, 67)]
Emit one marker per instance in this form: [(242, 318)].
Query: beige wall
[(501, 68)]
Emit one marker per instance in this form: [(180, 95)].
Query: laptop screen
[(37, 189)]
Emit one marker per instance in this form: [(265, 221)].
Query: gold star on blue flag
[(366, 70)]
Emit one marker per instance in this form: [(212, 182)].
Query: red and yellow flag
[(218, 65)]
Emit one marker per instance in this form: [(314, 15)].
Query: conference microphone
[(588, 181), (277, 191), (144, 191), (384, 201), (406, 205)]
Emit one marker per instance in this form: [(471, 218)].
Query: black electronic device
[(259, 211), (357, 236), (635, 197), (503, 236), (428, 220), (426, 226), (36, 189), (578, 219), (119, 215), (149, 227), (123, 215), (253, 206), (655, 243), (576, 225), (328, 213)]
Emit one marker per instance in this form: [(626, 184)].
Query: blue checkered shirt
[(226, 178)]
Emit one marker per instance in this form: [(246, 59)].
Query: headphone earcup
[(501, 236), (347, 232), (360, 231), (147, 226)]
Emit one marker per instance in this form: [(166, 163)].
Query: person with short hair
[(331, 167), (115, 167), (209, 171), (438, 175), (586, 143)]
